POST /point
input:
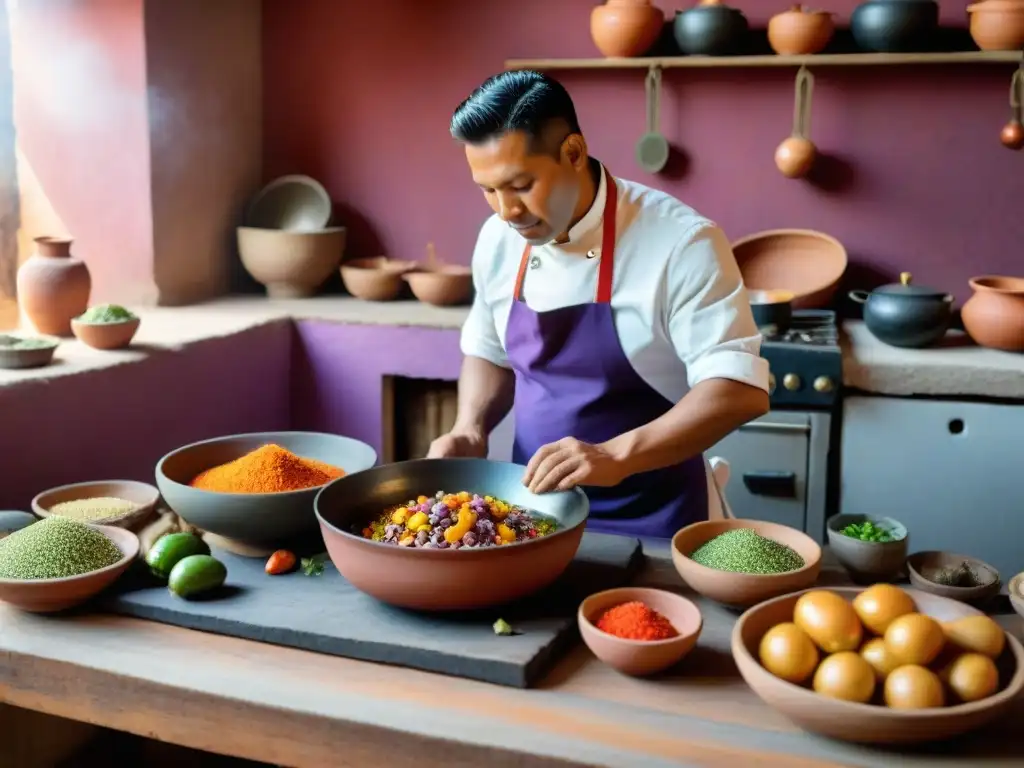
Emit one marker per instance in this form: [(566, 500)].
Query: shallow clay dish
[(106, 335), (37, 357), (923, 567), (441, 286), (294, 203), (51, 595), (741, 590), (868, 561), (143, 494), (259, 520), (446, 579), (870, 723), (1017, 593), (376, 279), (806, 263), (640, 657)]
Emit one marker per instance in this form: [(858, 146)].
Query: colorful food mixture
[(635, 621), (55, 548), (106, 313), (268, 469), (455, 520), (868, 531), (92, 510), (744, 550)]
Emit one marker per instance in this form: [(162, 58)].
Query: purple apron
[(574, 380)]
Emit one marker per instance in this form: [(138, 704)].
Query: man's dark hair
[(517, 101)]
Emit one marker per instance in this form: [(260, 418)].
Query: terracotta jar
[(625, 28), (994, 315), (53, 286), (997, 25), (799, 32)]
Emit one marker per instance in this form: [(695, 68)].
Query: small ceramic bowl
[(142, 494), (51, 595), (15, 358), (869, 561), (640, 657), (12, 520), (742, 590), (106, 335), (441, 286), (925, 567), (376, 279), (1017, 593)]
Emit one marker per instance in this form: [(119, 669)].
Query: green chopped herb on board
[(743, 550), (106, 313), (314, 566), (502, 627)]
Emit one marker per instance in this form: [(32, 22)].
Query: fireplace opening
[(415, 411)]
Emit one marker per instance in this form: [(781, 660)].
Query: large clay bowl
[(806, 263), (445, 579), (51, 595), (741, 590), (869, 723), (142, 494), (291, 264), (254, 519)]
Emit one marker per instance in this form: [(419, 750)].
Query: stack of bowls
[(286, 243)]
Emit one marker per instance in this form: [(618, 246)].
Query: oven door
[(768, 467)]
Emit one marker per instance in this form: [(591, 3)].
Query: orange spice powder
[(635, 621), (268, 469)]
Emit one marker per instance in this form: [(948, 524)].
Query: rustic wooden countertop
[(296, 708)]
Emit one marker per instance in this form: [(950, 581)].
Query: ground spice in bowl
[(268, 469), (55, 548), (635, 621), (744, 550), (94, 509)]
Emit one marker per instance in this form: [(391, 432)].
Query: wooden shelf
[(817, 60)]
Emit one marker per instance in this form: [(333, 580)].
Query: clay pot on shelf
[(626, 28), (799, 31), (997, 25), (710, 29), (994, 315), (53, 286), (905, 315), (291, 264), (894, 26)]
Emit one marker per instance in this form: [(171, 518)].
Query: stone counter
[(957, 368)]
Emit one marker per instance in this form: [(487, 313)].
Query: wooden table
[(296, 708)]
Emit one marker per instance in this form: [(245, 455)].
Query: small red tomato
[(280, 562), (532, 533)]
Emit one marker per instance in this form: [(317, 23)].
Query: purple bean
[(469, 539), (440, 510)]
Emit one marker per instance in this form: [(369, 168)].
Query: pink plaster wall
[(359, 95)]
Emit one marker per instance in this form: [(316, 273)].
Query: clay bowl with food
[(870, 548), (109, 507), (640, 657), (52, 595), (18, 351), (957, 577), (441, 286), (1016, 589), (905, 720), (803, 262), (254, 523), (376, 279), (106, 336), (739, 589), (445, 577)]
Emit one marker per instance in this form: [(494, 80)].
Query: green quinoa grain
[(54, 548), (743, 550)]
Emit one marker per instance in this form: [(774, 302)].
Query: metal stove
[(780, 465)]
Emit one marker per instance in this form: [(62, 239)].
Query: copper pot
[(994, 315), (622, 28), (997, 25), (800, 31)]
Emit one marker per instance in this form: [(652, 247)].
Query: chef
[(610, 316)]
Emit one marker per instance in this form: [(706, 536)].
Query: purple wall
[(359, 95)]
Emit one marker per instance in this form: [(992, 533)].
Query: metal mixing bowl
[(258, 519), (445, 579)]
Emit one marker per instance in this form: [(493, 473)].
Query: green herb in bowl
[(106, 313), (17, 343), (868, 531)]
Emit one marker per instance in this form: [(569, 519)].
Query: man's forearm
[(706, 414), (486, 392)]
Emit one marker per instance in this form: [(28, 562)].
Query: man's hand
[(459, 445), (570, 462)]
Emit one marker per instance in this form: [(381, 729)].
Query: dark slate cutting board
[(326, 614)]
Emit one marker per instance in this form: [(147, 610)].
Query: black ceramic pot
[(895, 26), (710, 29), (772, 310), (905, 315)]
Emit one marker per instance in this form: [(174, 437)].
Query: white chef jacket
[(680, 308)]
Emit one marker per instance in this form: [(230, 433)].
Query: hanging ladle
[(795, 156), (1012, 134), (652, 150)]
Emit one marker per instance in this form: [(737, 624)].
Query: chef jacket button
[(534, 262), (592, 254)]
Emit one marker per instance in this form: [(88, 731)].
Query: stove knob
[(823, 384), (791, 382), (771, 383)]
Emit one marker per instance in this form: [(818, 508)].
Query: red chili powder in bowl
[(635, 621)]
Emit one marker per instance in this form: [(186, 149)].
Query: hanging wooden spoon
[(795, 156), (1012, 135)]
